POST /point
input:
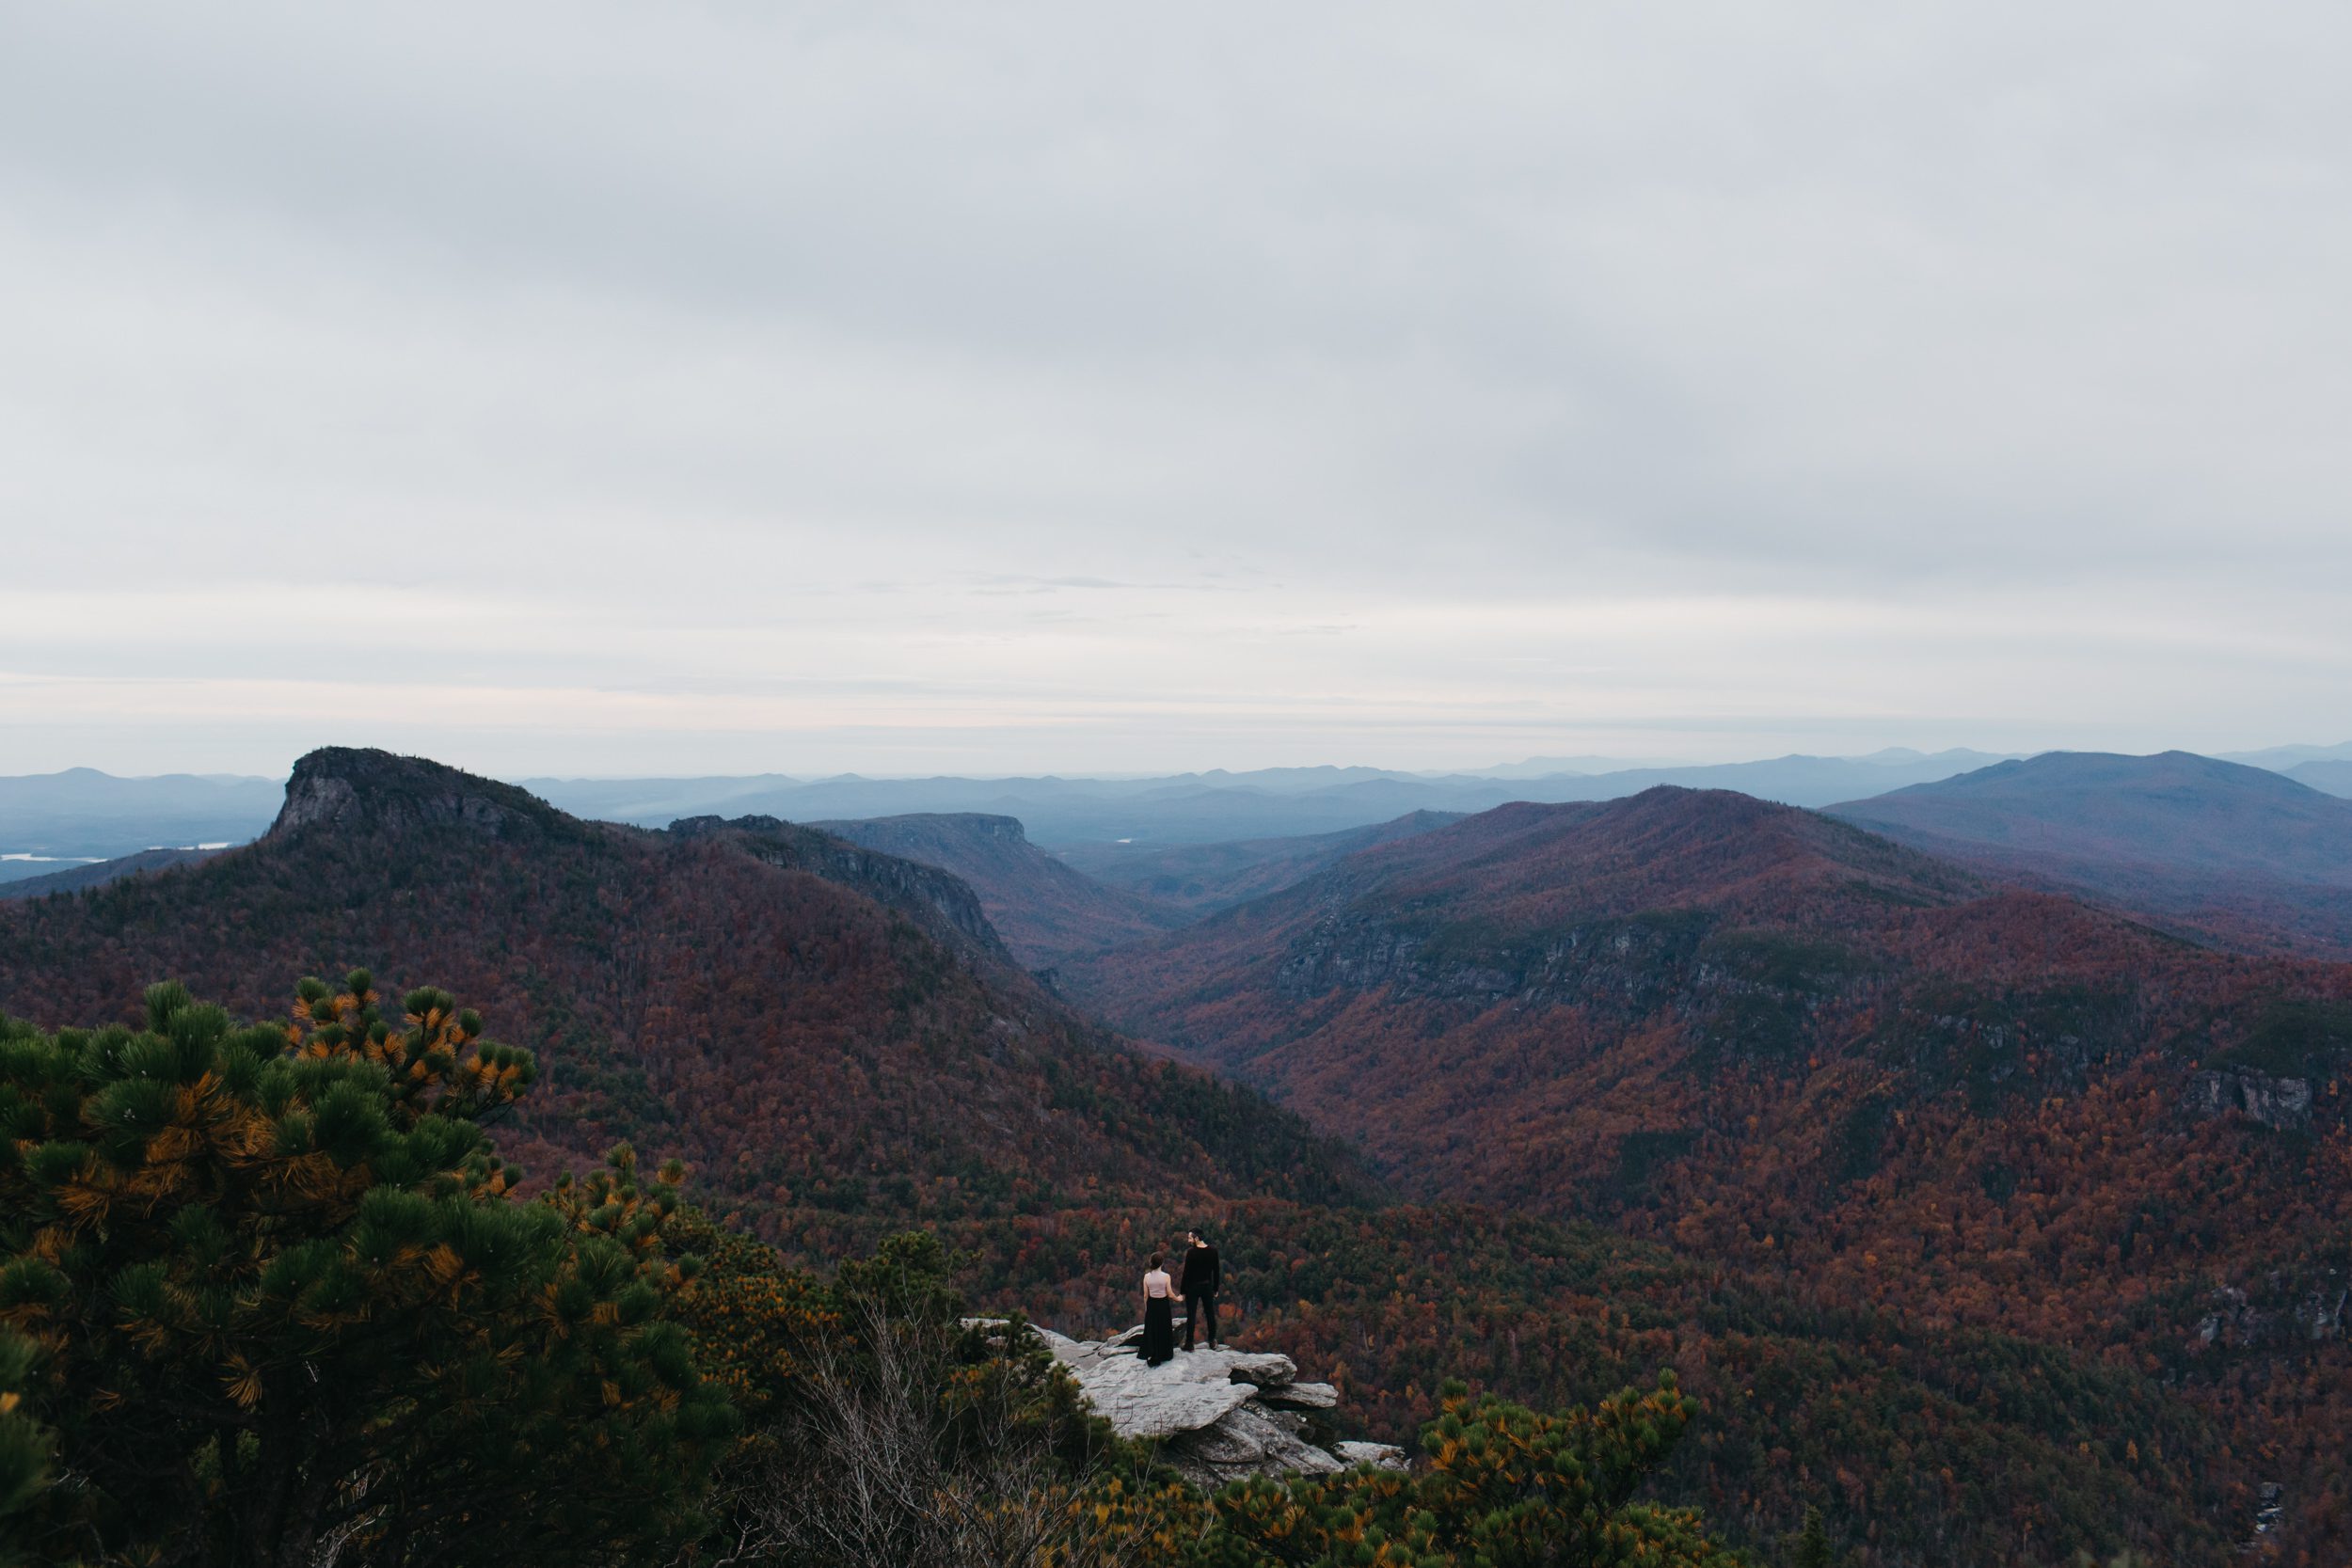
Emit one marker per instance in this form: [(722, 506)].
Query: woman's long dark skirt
[(1159, 1331)]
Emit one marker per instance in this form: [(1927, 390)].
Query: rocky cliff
[(1046, 913), (2284, 1103), (360, 790), (939, 903), (1218, 1415)]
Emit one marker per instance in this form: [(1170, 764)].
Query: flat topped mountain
[(348, 789), (817, 1028), (2231, 853), (1046, 911)]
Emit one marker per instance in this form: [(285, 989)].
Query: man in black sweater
[(1205, 1274)]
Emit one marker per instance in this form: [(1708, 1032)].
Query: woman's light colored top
[(1155, 1282)]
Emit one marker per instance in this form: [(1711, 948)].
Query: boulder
[(1246, 1442), (1380, 1456), (1302, 1396), (1264, 1370)]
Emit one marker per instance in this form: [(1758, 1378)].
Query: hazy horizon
[(1038, 389), (2289, 752)]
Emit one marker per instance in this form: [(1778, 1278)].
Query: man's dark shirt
[(1203, 1272)]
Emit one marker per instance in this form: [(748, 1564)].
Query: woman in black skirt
[(1159, 1315)]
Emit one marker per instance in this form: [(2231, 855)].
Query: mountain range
[(1219, 806), (1201, 878), (1046, 911), (1827, 1059), (1993, 1125), (78, 875), (84, 815), (1898, 1170), (808, 1021), (2239, 855)]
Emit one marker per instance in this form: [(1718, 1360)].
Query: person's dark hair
[(1155, 1259), (1199, 1235)]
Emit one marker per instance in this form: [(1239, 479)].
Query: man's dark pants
[(1194, 1310)]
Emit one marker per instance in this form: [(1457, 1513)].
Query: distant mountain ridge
[(1203, 878), (2285, 758), (1052, 909), (1046, 913), (2235, 852), (82, 812), (98, 873), (2331, 775), (1219, 807)]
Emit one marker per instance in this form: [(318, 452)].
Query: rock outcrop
[(1218, 1415), (362, 790), (2284, 1103)]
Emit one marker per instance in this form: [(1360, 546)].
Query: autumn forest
[(1966, 1221)]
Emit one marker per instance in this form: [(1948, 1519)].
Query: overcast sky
[(689, 388)]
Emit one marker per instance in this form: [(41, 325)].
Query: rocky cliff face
[(339, 787), (942, 905), (2297, 1311), (1626, 963), (1218, 1415), (1045, 912), (2284, 1103)]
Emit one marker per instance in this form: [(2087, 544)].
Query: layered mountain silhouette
[(1224, 807), (2231, 853), (2332, 776), (1046, 911), (1201, 878), (1082, 902), (82, 812), (98, 873), (817, 1028)]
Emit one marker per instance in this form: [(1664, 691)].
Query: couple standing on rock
[(1204, 1275)]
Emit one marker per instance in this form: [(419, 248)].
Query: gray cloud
[(559, 379)]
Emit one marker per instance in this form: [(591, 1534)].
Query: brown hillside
[(739, 995), (1812, 1053)]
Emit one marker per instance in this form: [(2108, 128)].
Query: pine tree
[(1500, 1486), (283, 1306), (1811, 1548), (25, 1445)]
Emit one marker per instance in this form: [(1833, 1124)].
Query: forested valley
[(1699, 1181)]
